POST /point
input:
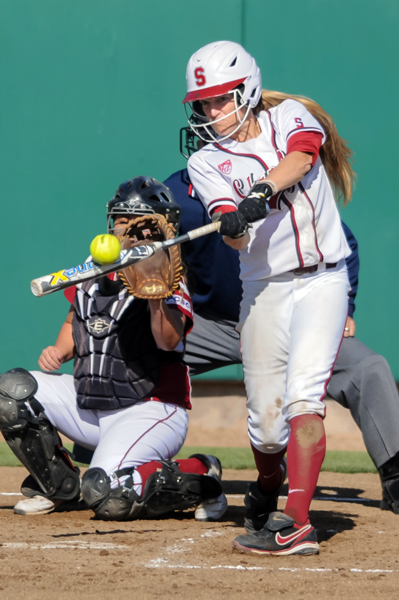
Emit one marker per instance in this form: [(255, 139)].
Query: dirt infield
[(71, 555)]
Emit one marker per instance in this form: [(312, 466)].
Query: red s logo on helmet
[(199, 76)]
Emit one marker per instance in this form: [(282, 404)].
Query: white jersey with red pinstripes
[(303, 227)]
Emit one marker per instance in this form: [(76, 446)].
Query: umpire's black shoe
[(258, 505), (390, 495), (280, 536), (389, 475)]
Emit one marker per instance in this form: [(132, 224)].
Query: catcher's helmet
[(217, 69), (143, 196)]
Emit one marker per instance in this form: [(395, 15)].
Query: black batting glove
[(232, 224), (255, 206)]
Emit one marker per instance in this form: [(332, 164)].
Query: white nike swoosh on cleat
[(281, 540)]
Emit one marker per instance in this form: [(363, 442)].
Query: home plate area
[(70, 552)]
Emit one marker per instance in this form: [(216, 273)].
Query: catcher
[(130, 392)]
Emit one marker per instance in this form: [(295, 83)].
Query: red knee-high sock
[(186, 465), (305, 454), (192, 465), (268, 466), (148, 469)]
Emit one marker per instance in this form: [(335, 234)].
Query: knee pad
[(170, 489), (34, 440), (110, 504), (16, 387)]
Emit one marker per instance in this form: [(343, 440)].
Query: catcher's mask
[(143, 196), (190, 141)]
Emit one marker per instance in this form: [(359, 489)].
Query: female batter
[(270, 172), (128, 397)]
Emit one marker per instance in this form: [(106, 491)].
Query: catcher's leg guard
[(111, 504), (170, 489), (34, 440)]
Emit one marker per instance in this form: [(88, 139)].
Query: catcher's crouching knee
[(110, 504)]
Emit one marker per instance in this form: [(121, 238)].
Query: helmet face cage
[(143, 196), (202, 127)]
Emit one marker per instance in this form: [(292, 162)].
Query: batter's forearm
[(290, 170)]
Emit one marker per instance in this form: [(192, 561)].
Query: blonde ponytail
[(335, 153)]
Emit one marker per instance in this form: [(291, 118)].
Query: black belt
[(312, 269)]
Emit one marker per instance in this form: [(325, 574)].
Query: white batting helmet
[(220, 68)]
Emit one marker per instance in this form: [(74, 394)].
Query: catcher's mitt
[(158, 276)]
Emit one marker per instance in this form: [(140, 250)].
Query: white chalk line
[(62, 545), (181, 546), (163, 563)]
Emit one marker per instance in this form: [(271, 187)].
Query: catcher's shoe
[(258, 505), (280, 536), (37, 505), (214, 508)]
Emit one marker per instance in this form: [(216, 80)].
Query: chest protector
[(116, 357)]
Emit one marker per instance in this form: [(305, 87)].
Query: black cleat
[(280, 536)]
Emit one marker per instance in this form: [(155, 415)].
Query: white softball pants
[(291, 329), (122, 438)]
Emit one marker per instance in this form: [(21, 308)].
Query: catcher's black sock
[(269, 470)]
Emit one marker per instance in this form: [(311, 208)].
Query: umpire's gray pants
[(361, 381)]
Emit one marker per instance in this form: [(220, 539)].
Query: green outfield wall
[(91, 95)]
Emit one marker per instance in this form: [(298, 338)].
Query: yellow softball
[(105, 249)]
